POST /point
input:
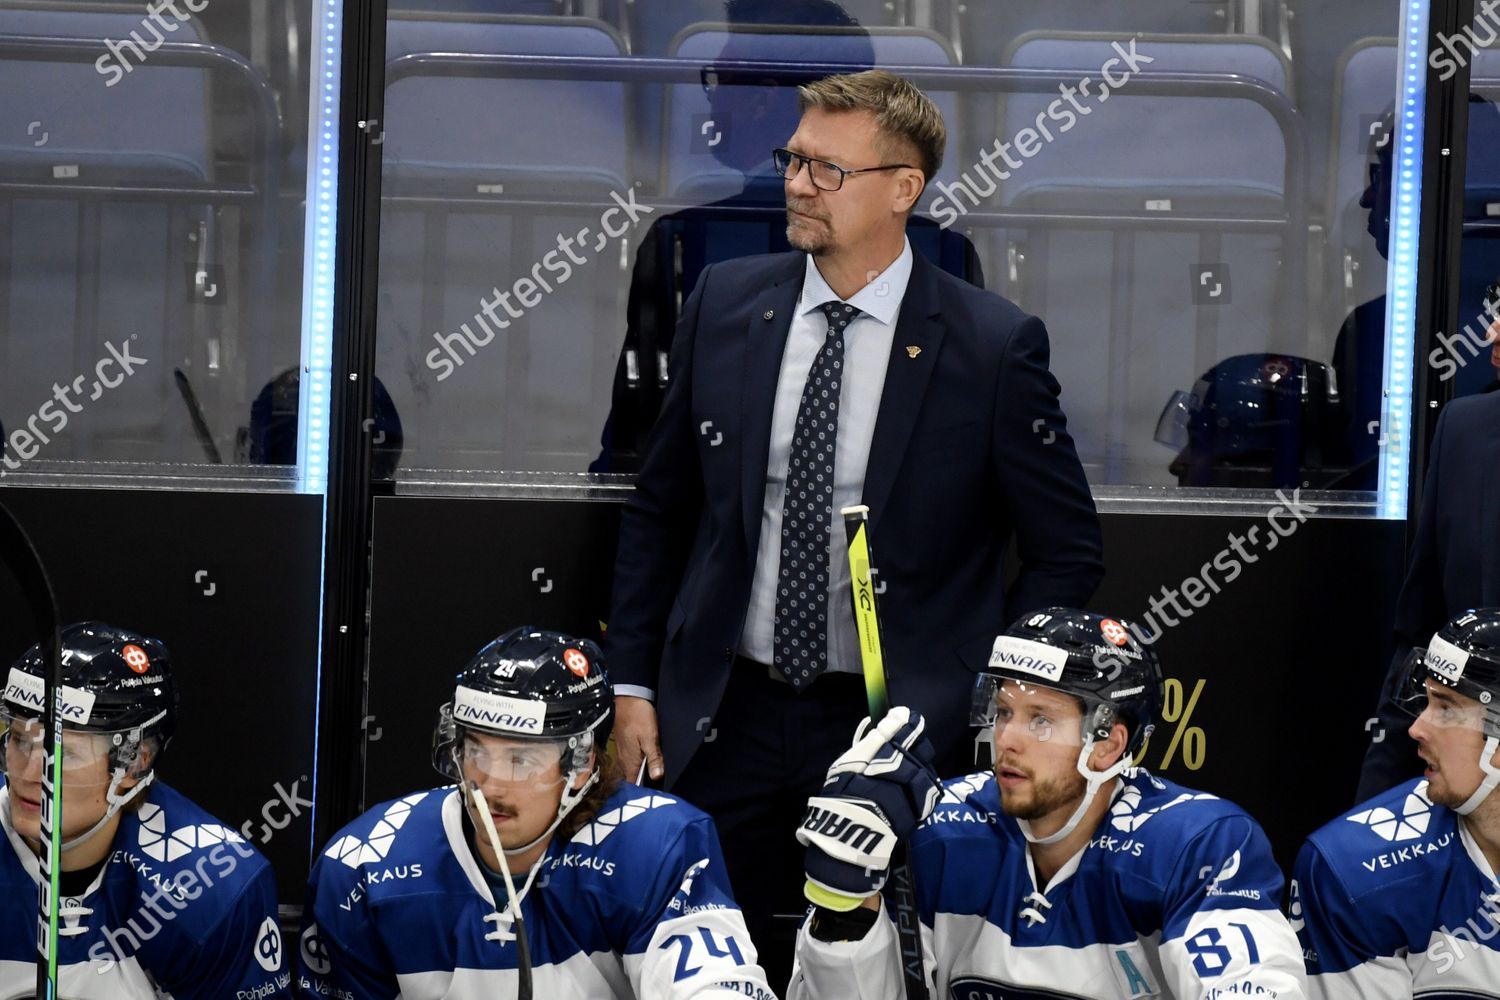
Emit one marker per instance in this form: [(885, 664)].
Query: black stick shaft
[(19, 555)]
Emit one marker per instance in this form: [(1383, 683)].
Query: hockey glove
[(875, 794)]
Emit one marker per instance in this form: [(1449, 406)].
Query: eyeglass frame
[(844, 172)]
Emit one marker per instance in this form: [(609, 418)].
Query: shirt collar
[(881, 298)]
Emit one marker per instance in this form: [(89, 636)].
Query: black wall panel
[(1290, 653), (230, 582)]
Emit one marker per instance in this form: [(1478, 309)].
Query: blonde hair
[(903, 114)]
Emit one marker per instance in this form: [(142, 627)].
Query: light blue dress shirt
[(867, 352)]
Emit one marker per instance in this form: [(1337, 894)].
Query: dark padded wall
[(243, 636), (1290, 653)]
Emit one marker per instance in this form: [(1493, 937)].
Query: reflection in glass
[(151, 179), (1176, 191)]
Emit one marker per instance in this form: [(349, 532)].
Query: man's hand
[(875, 794), (636, 737)]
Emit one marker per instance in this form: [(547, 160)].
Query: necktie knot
[(840, 315)]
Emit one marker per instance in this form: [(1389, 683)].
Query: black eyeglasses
[(825, 176)]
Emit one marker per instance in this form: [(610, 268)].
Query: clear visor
[(1428, 693), (85, 756), (1032, 713), (484, 760), (1176, 417)]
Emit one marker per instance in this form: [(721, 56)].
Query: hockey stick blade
[(20, 556), (901, 889)]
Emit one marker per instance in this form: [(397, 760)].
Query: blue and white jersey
[(635, 904), (1394, 899), (1176, 895), (182, 908)]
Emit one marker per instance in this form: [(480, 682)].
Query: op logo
[(136, 659)]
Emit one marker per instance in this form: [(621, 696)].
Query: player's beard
[(810, 233), (1439, 791), (1047, 796)]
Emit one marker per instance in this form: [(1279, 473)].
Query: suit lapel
[(1489, 514), (906, 379), (765, 342)]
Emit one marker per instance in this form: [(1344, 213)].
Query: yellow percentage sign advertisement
[(1179, 712)]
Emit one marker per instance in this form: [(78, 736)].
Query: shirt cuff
[(635, 691)]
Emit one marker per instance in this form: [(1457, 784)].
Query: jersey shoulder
[(1162, 832), (172, 845), (1153, 808), (969, 807), (398, 831), (1388, 848), (632, 817)]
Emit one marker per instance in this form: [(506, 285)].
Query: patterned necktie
[(802, 588)]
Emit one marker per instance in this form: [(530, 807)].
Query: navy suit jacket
[(970, 448), (1455, 564)]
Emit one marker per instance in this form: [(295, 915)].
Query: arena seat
[(544, 8), (482, 174), (693, 169), (1317, 37), (465, 129), (653, 26), (1134, 287), (1363, 99), (1364, 93), (86, 268), (989, 29)]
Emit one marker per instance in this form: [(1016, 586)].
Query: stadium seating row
[(504, 129)]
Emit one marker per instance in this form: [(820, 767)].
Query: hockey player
[(1398, 897), (622, 892), (1061, 872), (158, 898)]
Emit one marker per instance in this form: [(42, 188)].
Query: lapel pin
[(912, 352), (769, 314)]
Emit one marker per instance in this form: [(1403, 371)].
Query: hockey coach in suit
[(849, 371), (1454, 565)]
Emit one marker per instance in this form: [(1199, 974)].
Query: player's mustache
[(1006, 763), (499, 809)]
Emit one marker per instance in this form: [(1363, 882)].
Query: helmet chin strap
[(1491, 777), (116, 803), (1094, 780)]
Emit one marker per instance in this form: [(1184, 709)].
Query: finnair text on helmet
[(1446, 658), (1023, 662), (499, 720), (1012, 653), (29, 692), (494, 711)]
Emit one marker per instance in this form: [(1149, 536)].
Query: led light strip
[(317, 252), (1401, 274), (313, 425)]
